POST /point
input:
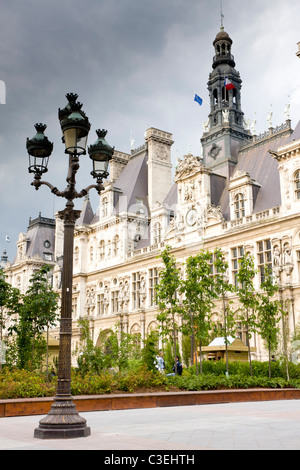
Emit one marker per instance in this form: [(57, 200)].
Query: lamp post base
[(62, 422)]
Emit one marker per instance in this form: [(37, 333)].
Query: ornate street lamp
[(100, 153), (39, 150), (63, 421)]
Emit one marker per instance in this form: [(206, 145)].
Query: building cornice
[(287, 151)]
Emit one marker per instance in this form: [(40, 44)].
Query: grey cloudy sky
[(134, 64)]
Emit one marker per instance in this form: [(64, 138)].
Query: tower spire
[(226, 127), (222, 17)]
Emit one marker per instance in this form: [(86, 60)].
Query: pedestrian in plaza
[(177, 366), (160, 363)]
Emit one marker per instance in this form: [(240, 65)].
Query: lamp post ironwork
[(63, 421)]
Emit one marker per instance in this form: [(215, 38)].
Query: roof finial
[(222, 16)]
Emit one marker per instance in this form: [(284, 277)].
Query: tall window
[(211, 262), (76, 254), (104, 207), (136, 284), (114, 301), (100, 304), (101, 250), (297, 184), (157, 233), (264, 257), (74, 306), (298, 262), (236, 254), (153, 281), (242, 333), (239, 206), (115, 245)]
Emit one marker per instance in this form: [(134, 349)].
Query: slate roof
[(87, 214), (256, 160), (171, 199), (41, 230), (133, 182)]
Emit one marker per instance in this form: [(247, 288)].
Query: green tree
[(167, 297), (32, 314), (90, 358), (223, 288), (268, 314), (41, 304), (247, 298), (150, 351), (198, 287), (121, 348), (8, 297)]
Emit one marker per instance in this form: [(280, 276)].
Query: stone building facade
[(242, 194)]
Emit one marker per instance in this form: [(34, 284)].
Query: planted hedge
[(211, 382), (24, 384)]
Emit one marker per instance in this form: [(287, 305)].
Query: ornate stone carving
[(189, 166), (214, 212)]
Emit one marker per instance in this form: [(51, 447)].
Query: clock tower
[(224, 130)]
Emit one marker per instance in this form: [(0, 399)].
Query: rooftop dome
[(221, 36)]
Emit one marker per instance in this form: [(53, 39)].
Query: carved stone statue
[(205, 125), (253, 126), (287, 111), (225, 113), (269, 117)]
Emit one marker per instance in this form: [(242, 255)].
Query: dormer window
[(243, 193)]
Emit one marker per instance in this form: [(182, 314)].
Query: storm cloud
[(134, 64)]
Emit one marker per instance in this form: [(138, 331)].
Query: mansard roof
[(87, 214), (133, 182), (40, 238), (255, 159), (172, 198)]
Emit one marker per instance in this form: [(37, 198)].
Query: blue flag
[(198, 99)]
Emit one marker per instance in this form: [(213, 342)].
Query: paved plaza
[(233, 426)]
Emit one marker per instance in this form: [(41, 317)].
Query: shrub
[(214, 382), (91, 383), (259, 369), (140, 379), (24, 384)]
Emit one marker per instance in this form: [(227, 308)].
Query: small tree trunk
[(225, 325), (174, 341), (200, 346), (248, 341), (270, 359)]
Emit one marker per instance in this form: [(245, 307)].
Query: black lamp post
[(63, 421)]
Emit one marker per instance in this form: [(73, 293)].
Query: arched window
[(215, 95), (297, 184), (101, 250), (239, 206)]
